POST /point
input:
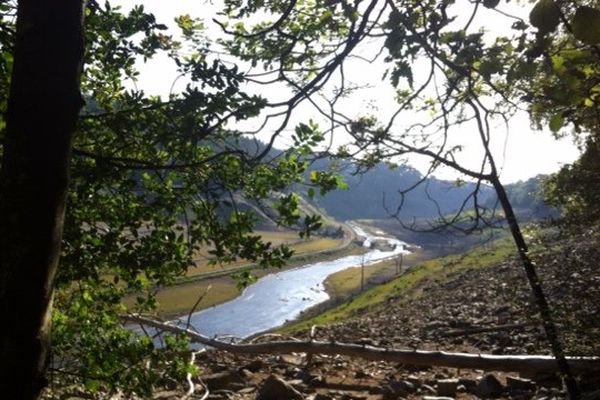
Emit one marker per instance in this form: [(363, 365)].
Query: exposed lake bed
[(277, 298)]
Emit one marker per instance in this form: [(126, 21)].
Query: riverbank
[(477, 302), (348, 302), (216, 286), (277, 298), (344, 286)]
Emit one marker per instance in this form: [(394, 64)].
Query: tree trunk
[(43, 105), (538, 293)]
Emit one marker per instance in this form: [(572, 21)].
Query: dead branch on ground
[(513, 363)]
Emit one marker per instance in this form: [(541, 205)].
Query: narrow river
[(277, 298)]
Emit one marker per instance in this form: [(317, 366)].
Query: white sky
[(523, 153)]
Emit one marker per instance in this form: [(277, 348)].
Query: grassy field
[(179, 299), (439, 269), (298, 245), (347, 282)]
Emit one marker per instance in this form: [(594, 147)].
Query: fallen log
[(473, 331), (490, 362)]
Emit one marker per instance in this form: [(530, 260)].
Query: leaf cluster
[(156, 183)]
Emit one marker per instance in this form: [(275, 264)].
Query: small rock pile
[(337, 378)]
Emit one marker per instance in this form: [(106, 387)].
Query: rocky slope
[(444, 312)]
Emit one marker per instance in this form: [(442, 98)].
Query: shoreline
[(193, 292), (348, 248), (380, 276)]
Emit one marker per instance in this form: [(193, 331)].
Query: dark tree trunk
[(538, 293), (43, 105)]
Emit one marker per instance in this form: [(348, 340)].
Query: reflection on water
[(276, 298)]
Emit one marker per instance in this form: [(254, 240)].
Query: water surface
[(277, 298)]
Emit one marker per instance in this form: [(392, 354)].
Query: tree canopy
[(153, 179)]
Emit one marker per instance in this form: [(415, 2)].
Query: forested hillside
[(375, 194)]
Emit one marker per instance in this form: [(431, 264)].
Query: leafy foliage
[(567, 91), (575, 187), (153, 181)]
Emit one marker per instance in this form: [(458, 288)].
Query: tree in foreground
[(43, 103), (150, 176), (141, 183)]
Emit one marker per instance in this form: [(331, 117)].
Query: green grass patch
[(344, 283), (276, 238), (179, 300), (406, 284)]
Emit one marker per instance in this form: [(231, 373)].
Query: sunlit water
[(277, 298)]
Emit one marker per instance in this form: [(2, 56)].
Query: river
[(279, 297)]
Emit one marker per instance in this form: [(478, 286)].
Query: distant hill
[(369, 194), (375, 194)]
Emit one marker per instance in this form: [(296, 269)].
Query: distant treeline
[(376, 194)]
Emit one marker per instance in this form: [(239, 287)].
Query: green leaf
[(92, 385), (490, 3), (310, 193), (586, 25), (545, 16), (341, 184), (556, 122)]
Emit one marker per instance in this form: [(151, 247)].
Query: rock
[(415, 380), (292, 359), (318, 380), (437, 398), (320, 396), (255, 365), (274, 388), (360, 374), (548, 379), (515, 384), (503, 339), (291, 372), (409, 386), (236, 386), (222, 380), (428, 389), (396, 390), (246, 373), (390, 394), (447, 387), (305, 375), (489, 386)]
